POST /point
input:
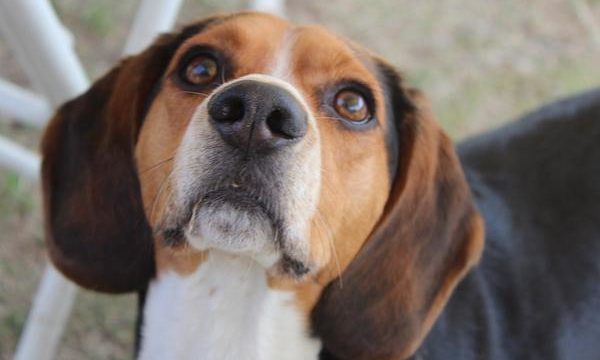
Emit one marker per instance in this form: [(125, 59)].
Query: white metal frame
[(22, 104), (45, 49)]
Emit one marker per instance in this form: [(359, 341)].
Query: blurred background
[(481, 62)]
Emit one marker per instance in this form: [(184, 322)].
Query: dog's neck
[(224, 310)]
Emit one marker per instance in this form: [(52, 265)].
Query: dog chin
[(244, 231)]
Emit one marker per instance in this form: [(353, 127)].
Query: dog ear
[(428, 238), (96, 230)]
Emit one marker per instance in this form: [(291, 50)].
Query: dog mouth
[(240, 222), (239, 200), (232, 219)]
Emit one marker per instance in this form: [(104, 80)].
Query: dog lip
[(173, 233), (171, 236), (241, 199), (294, 266), (238, 197)]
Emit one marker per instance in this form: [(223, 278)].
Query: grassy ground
[(481, 62)]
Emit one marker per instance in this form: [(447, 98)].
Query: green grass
[(98, 18), (504, 96), (16, 194)]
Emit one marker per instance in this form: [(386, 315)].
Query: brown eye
[(201, 70), (351, 105)]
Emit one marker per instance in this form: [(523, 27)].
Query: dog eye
[(351, 105), (201, 70)]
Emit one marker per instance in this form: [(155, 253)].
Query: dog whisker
[(160, 163), (196, 93)]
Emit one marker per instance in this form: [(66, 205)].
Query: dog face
[(277, 141), (286, 144)]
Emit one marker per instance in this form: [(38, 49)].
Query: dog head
[(286, 144)]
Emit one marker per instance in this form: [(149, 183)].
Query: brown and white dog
[(277, 190)]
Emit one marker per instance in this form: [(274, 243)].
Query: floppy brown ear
[(96, 230), (428, 238)]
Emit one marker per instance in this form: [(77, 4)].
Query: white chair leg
[(162, 13), (276, 7), (23, 105), (19, 159), (43, 47), (48, 317)]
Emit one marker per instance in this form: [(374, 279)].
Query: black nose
[(255, 116)]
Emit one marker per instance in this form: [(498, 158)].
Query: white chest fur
[(224, 310)]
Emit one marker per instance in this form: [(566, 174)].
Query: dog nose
[(256, 116)]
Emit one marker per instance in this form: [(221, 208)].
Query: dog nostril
[(275, 124), (282, 124), (228, 110)]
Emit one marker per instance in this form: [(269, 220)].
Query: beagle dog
[(273, 191)]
